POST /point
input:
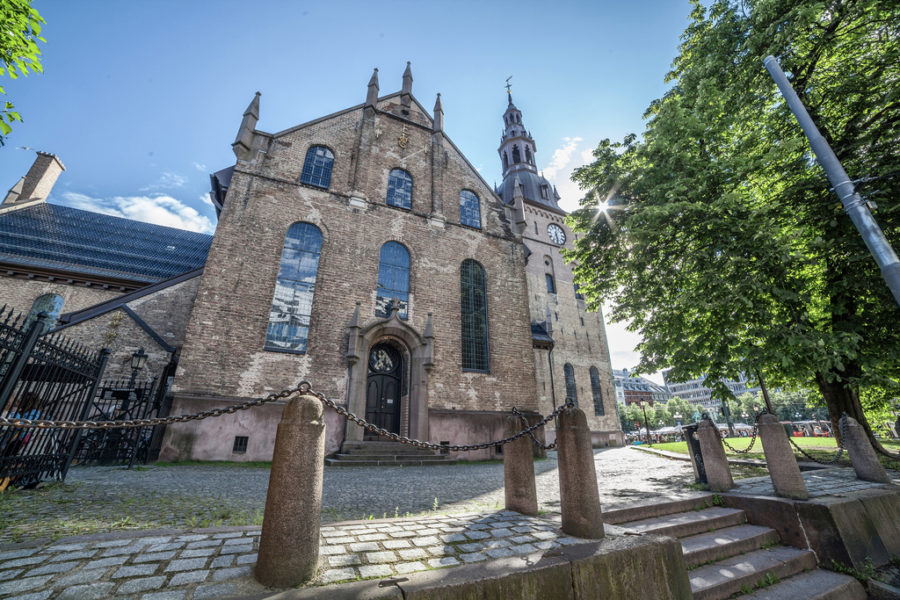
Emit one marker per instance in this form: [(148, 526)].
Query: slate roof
[(67, 239)]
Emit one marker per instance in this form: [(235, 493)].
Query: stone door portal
[(383, 388)]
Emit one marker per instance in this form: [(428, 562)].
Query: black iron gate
[(120, 401), (42, 377)]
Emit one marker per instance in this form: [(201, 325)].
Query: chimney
[(38, 183)]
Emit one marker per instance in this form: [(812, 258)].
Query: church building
[(363, 252)]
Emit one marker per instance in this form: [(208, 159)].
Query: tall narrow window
[(292, 304), (473, 316), (571, 391), (528, 154), (551, 285), (469, 209), (317, 167), (399, 191), (393, 279), (48, 303), (517, 157), (596, 392), (505, 161)]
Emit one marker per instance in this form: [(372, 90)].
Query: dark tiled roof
[(50, 236), (540, 337)]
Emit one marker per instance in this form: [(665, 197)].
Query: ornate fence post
[(786, 477), (22, 354), (289, 545), (714, 460), (519, 487), (862, 455), (578, 493)]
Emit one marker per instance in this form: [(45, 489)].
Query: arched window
[(548, 275), (517, 156), (473, 317), (393, 279), (49, 303), (571, 391), (317, 167), (528, 154), (399, 192), (505, 161), (292, 304), (596, 392), (469, 209)]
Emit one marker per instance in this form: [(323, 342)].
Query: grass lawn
[(822, 448)]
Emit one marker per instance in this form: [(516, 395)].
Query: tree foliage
[(20, 30), (723, 244)]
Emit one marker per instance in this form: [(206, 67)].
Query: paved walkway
[(100, 499), (819, 483)]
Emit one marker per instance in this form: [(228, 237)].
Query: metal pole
[(23, 353), (855, 206)]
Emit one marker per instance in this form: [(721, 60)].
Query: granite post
[(578, 493), (714, 460), (862, 455), (518, 471), (786, 477), (289, 544)]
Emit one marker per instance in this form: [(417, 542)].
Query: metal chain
[(843, 425), (304, 388), (753, 437), (534, 439)]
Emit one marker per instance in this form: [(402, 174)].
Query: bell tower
[(517, 147)]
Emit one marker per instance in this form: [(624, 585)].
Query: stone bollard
[(289, 545), (518, 471), (783, 469), (578, 492), (862, 455), (714, 460)]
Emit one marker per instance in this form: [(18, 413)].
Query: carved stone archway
[(417, 349)]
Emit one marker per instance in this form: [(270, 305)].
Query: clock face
[(557, 235)]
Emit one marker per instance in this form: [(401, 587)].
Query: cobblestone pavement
[(98, 499), (823, 482), (467, 525)]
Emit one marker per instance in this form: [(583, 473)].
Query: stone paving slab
[(81, 568), (836, 481)]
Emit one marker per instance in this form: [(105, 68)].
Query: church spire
[(243, 141), (517, 147), (438, 124), (372, 93), (406, 92)]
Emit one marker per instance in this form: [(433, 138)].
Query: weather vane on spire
[(508, 86)]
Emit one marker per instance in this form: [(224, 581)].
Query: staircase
[(385, 454), (726, 556)]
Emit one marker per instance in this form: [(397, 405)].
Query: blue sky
[(141, 100)]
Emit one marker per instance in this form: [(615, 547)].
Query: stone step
[(725, 543), (386, 457), (647, 511), (741, 573), (685, 524), (813, 585), (382, 448), (405, 462)]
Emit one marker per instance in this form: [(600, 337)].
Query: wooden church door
[(383, 388)]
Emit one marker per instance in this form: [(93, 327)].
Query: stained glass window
[(469, 209), (473, 317), (393, 279), (596, 392), (317, 167), (399, 191), (292, 303), (551, 285), (571, 390)]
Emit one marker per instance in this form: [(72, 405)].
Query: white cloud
[(200, 167), (167, 180), (158, 209), (558, 171), (561, 157)]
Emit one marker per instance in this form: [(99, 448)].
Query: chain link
[(753, 437), (537, 442), (303, 388), (843, 425)]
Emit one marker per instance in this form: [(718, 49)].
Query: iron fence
[(42, 376)]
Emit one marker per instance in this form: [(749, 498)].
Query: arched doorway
[(383, 388)]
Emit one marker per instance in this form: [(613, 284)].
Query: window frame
[(486, 341), (569, 378), (597, 392), (378, 286), (388, 197), (306, 176), (477, 204)]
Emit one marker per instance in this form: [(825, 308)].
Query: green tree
[(723, 244), (20, 30), (634, 415)]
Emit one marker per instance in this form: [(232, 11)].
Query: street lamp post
[(138, 359), (646, 423)]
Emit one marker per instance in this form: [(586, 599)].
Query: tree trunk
[(840, 398)]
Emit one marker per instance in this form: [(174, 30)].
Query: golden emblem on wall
[(403, 139)]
